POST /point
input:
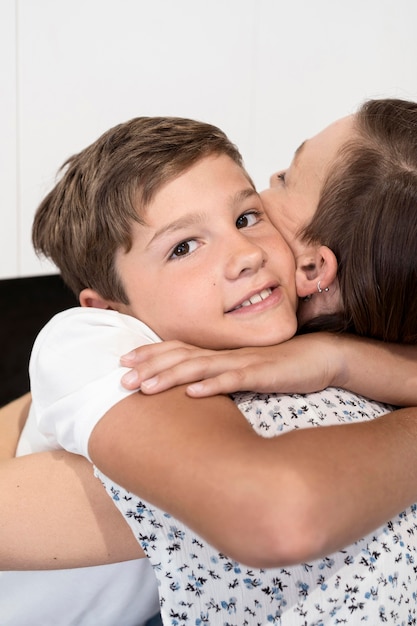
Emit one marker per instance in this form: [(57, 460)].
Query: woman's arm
[(265, 502), (384, 372), (54, 513)]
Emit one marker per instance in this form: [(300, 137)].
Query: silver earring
[(319, 289)]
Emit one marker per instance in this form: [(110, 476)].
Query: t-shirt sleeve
[(75, 372)]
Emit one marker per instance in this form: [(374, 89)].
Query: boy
[(137, 226), (136, 264)]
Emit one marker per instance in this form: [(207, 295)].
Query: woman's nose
[(274, 179), (269, 200)]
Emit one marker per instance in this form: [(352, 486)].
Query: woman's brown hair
[(367, 215)]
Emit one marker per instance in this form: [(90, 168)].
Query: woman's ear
[(318, 264), (90, 298)]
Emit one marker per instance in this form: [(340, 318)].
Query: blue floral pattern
[(373, 581)]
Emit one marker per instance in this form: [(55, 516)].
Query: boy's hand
[(301, 365)]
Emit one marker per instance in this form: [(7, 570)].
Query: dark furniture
[(26, 305)]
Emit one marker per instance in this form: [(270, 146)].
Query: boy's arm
[(265, 502), (384, 372)]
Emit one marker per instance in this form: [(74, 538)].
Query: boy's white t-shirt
[(75, 374), (121, 593)]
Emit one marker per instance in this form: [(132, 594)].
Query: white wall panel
[(9, 207), (267, 71), (317, 61), (88, 64)]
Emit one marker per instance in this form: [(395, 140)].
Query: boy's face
[(293, 195), (209, 268)]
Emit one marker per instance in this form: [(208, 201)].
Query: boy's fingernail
[(128, 357), (130, 378), (151, 382), (195, 388)]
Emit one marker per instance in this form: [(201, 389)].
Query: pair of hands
[(303, 364)]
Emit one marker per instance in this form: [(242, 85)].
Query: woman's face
[(293, 195)]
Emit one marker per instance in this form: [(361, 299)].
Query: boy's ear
[(90, 298), (318, 263)]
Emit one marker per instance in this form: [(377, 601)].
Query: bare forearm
[(265, 502), (304, 364), (56, 514), (384, 372)]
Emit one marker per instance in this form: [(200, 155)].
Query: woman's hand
[(303, 364)]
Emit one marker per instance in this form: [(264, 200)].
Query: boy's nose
[(244, 256)]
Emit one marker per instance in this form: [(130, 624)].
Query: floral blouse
[(373, 581)]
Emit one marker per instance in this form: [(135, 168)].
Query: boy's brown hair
[(367, 215), (104, 189)]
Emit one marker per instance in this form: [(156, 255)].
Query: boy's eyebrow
[(195, 218)]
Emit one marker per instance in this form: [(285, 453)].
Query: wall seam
[(17, 145)]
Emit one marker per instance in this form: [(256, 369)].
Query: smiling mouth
[(257, 297)]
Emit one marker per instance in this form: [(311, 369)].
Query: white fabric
[(121, 594), (75, 373)]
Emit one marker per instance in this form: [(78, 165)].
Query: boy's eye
[(248, 219), (183, 248), (281, 176)]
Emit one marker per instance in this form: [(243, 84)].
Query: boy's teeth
[(258, 297)]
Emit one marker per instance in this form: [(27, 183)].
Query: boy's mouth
[(257, 297)]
